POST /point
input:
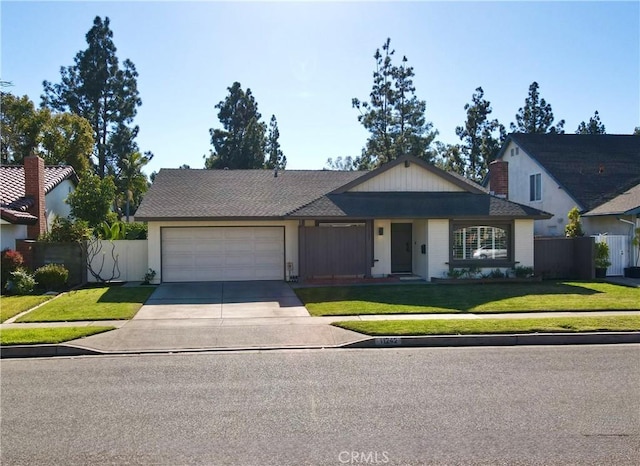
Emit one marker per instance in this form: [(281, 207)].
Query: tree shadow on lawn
[(464, 297), (119, 294)]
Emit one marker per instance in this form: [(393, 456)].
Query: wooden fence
[(564, 258)]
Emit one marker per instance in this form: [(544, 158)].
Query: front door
[(401, 257)]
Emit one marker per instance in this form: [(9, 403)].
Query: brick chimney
[(499, 178), (34, 188)]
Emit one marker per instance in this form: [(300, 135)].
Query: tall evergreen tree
[(595, 126), (481, 137), (97, 88), (394, 115), (241, 144), (275, 157), (536, 116)]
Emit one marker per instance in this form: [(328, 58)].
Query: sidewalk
[(206, 334)]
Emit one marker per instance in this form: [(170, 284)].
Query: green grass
[(35, 336), (476, 298), (481, 326), (104, 303), (14, 305)]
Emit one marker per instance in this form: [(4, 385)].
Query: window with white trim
[(481, 242), (535, 187)]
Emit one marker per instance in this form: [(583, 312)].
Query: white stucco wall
[(437, 248), (555, 200), (55, 201), (412, 178), (523, 242), (154, 250), (381, 249), (419, 236), (608, 224), (10, 233)]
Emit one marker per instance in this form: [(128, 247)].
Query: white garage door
[(222, 253)]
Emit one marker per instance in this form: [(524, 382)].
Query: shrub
[(573, 228), (64, 230), (11, 261), (602, 255), (523, 272), (136, 230), (21, 282), (52, 277), (496, 273)]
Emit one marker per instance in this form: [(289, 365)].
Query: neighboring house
[(406, 217), (598, 174), (31, 196)]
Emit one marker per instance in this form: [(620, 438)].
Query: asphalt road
[(525, 405)]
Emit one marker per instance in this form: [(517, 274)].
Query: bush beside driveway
[(488, 298)]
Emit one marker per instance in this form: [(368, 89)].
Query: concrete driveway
[(222, 300)]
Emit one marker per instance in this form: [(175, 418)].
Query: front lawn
[(103, 303), (14, 305), (487, 326), (36, 336), (432, 298)]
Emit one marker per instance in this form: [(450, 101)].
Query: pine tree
[(394, 116), (480, 136), (536, 116), (241, 143), (97, 88), (595, 126), (275, 157)]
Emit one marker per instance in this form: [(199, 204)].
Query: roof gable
[(593, 169), (409, 174)]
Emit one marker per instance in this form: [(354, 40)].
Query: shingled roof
[(205, 194), (13, 203), (592, 168), (415, 205), (178, 194)]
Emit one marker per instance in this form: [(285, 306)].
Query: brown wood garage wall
[(335, 251)]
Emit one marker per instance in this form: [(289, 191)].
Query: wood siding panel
[(402, 179), (333, 251)]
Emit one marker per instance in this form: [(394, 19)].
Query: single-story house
[(31, 196), (405, 217)]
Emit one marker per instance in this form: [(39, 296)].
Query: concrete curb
[(593, 338), (44, 351)]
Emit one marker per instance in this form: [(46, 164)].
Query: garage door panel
[(222, 253)]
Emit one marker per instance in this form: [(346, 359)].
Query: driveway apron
[(222, 300)]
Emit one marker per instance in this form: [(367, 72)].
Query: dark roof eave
[(208, 219)]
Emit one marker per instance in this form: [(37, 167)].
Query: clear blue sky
[(304, 62)]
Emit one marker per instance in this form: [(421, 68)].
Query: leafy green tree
[(67, 139), (595, 126), (92, 200), (97, 88), (275, 157), (241, 142), (131, 181), (636, 131), (481, 137), (21, 127), (59, 138), (394, 116), (573, 228), (536, 116)]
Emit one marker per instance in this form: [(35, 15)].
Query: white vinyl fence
[(122, 260), (618, 253)]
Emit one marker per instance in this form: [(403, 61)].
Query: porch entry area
[(332, 250), (401, 248)]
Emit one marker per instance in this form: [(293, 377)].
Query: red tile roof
[(13, 203)]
